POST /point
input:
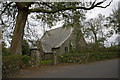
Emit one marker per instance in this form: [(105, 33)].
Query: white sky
[(93, 13)]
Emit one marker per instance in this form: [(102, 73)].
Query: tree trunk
[(96, 41), (16, 44)]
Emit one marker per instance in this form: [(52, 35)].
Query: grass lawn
[(42, 62)]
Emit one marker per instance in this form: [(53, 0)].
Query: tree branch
[(106, 5), (3, 12), (71, 8), (6, 7)]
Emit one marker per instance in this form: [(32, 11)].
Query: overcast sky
[(94, 12)]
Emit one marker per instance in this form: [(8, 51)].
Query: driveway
[(101, 69)]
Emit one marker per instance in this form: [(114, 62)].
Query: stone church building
[(60, 40)]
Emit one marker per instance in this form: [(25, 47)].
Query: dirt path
[(101, 69)]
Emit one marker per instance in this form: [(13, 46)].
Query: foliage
[(25, 48), (42, 62), (112, 49), (86, 57), (98, 30), (113, 20), (26, 60), (5, 51), (12, 63), (90, 47), (18, 60)]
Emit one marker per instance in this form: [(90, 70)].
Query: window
[(66, 49)]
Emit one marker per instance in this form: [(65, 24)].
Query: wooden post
[(54, 51), (37, 59)]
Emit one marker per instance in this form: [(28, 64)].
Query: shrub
[(13, 63), (26, 60), (12, 60), (43, 62), (86, 57), (112, 49), (25, 48), (5, 51)]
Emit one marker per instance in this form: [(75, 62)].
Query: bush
[(26, 60), (112, 49), (25, 48), (5, 51), (16, 60), (86, 57), (73, 58), (43, 62), (13, 63)]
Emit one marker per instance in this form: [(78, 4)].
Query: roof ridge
[(54, 29)]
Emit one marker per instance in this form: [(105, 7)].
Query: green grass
[(42, 62)]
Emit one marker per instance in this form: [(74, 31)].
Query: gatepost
[(37, 58), (54, 56)]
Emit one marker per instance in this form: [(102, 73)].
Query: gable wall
[(62, 47)]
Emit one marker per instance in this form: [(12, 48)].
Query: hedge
[(13, 63), (85, 57)]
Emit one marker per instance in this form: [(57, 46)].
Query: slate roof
[(55, 38)]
